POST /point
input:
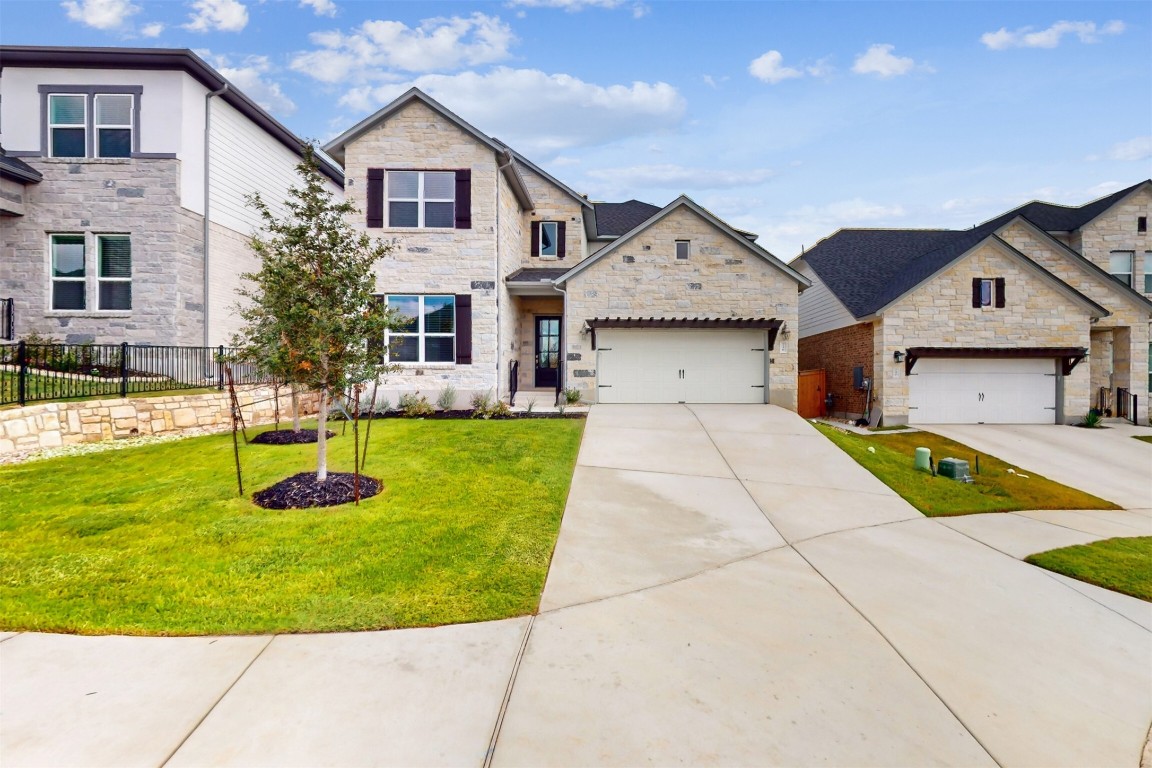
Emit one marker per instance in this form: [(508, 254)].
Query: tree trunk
[(295, 408), (322, 438)]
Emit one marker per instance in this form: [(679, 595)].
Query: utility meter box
[(957, 469)]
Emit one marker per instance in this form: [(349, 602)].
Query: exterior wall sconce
[(898, 356)]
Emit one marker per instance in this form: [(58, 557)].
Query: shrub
[(571, 395), (500, 408), (385, 405), (1091, 419), (530, 405), (415, 405), (447, 399), (482, 405)]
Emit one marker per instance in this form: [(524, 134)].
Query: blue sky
[(790, 119)]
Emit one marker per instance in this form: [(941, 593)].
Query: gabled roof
[(68, 57), (686, 202), (17, 170), (545, 175), (335, 148), (616, 219), (1063, 218)]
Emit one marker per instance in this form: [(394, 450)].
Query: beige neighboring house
[(1035, 316), (517, 283), (123, 182)]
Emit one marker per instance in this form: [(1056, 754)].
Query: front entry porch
[(537, 363)]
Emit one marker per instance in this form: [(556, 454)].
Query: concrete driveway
[(1104, 462), (728, 589)]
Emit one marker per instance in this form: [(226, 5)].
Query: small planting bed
[(288, 436), (995, 489), (1123, 565)]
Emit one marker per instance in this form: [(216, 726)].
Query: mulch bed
[(288, 437), (302, 491), (467, 414)]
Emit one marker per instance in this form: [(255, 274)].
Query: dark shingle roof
[(535, 275), (18, 170), (615, 219), (866, 269)]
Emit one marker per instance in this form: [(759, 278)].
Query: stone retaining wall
[(51, 425)]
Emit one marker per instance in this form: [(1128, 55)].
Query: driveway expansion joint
[(491, 753)]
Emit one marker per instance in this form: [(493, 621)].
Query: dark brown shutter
[(976, 292), (464, 199), (376, 346), (375, 201), (560, 248), (535, 239), (464, 329), (1000, 293)]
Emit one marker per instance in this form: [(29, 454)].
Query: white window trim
[(420, 335), (987, 289), (100, 280), (687, 250), (53, 279), (1131, 264), (51, 125), (97, 126), (555, 240), (420, 199), (91, 278), (1148, 276)]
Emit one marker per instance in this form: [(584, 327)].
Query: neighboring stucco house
[(517, 282), (1035, 316), (112, 157)]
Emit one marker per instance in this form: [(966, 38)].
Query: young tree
[(311, 317)]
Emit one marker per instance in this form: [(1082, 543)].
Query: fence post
[(22, 377), (220, 367), (123, 369)]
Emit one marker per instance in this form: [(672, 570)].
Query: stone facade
[(838, 353), (643, 278), (51, 425), (1116, 230), (554, 204), (939, 312), (138, 197)]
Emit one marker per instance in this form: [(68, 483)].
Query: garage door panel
[(982, 391)]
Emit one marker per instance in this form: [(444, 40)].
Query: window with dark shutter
[(535, 244), (464, 329), (464, 199), (1000, 293), (375, 201), (561, 248), (976, 289), (376, 346)]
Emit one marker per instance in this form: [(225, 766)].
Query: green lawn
[(1123, 565), (994, 489), (1143, 438), (54, 389), (155, 541)]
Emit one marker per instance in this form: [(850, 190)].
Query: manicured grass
[(155, 540), (1123, 565), (1143, 438), (994, 489), (37, 386)]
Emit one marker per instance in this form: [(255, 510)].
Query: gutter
[(207, 194)]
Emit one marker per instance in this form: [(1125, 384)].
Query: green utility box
[(957, 469)]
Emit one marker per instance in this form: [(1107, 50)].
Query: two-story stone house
[(514, 281), (1035, 316), (122, 193)]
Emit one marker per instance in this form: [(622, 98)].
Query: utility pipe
[(207, 221)]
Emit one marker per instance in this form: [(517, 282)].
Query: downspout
[(497, 282), (562, 363), (207, 221)]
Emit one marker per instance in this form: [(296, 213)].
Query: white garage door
[(949, 390), (680, 366)]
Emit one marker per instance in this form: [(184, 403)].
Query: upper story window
[(989, 292), (1148, 273), (91, 121), (549, 238), (1141, 223), (1120, 266), (682, 249), (422, 199)]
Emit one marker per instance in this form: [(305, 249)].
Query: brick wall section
[(51, 425), (838, 352), (721, 279), (139, 197)]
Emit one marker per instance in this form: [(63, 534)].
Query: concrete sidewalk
[(728, 588)]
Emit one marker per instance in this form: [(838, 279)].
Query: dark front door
[(547, 351)]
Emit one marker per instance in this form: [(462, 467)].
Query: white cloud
[(320, 7), (373, 48), (250, 76), (678, 177), (571, 6), (152, 30), (770, 68), (217, 15), (540, 113), (880, 61), (100, 14), (1027, 37), (1136, 149)]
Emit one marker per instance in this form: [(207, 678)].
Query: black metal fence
[(1126, 405), (7, 324), (38, 372)]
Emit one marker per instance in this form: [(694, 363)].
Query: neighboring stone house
[(113, 156), (1035, 316), (514, 281)]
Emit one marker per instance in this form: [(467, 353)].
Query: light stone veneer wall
[(436, 261), (553, 204), (1127, 346), (939, 313), (139, 197), (512, 242), (721, 279), (51, 425), (1115, 230)]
